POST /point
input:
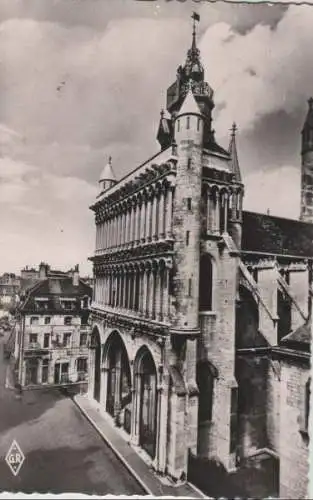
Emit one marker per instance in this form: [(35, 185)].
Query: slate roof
[(54, 288), (276, 235), (302, 335)]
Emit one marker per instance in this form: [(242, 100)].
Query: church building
[(201, 311)]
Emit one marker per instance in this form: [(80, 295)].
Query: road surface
[(63, 452)]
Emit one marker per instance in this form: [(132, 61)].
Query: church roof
[(107, 173), (302, 335), (276, 235)]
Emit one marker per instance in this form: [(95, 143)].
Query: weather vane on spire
[(195, 18)]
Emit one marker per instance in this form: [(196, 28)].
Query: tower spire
[(196, 18), (233, 153)]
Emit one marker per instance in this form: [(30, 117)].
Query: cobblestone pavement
[(63, 452)]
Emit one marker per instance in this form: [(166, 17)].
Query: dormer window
[(42, 303), (68, 303)]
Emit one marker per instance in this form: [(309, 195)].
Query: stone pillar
[(137, 234), (152, 294), (148, 292), (148, 220), (127, 228), (225, 212), (217, 212), (166, 294), (161, 214), (142, 221), (169, 212), (125, 289), (154, 216), (130, 233), (161, 292)]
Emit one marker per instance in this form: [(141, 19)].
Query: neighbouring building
[(201, 311), (9, 289), (52, 329)]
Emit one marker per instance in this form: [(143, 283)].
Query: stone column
[(137, 228), (148, 219), (162, 214), (127, 225), (169, 211), (148, 292), (225, 212), (143, 221), (152, 294), (125, 289), (132, 214), (154, 216), (217, 213)]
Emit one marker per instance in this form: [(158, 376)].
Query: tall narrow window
[(189, 163), (188, 122), (187, 237), (189, 287), (178, 125), (233, 420), (307, 405), (198, 123), (189, 203)]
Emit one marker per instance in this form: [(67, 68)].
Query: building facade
[(52, 330), (192, 294)]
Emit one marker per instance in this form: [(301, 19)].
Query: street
[(63, 452)]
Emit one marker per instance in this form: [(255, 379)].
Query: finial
[(195, 18), (310, 101), (110, 160), (233, 129), (162, 113)]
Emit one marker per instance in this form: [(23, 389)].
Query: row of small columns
[(143, 221), (218, 203), (142, 290)]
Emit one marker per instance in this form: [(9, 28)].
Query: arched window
[(205, 286)]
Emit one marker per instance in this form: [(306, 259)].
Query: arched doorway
[(147, 392), (96, 345), (119, 395)]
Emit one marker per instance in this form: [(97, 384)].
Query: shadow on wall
[(211, 477), (255, 479)]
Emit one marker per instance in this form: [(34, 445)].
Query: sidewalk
[(129, 457)]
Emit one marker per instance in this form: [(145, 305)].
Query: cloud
[(260, 72), (80, 85), (275, 190)]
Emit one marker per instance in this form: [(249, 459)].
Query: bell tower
[(306, 213)]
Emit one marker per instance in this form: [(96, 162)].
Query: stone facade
[(189, 301), (52, 331)]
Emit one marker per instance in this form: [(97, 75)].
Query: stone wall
[(294, 449)]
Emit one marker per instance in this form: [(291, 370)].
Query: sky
[(85, 79)]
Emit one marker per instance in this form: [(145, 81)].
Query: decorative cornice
[(125, 255), (152, 174), (135, 326)]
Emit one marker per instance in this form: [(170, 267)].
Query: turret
[(107, 177), (306, 212), (235, 223), (188, 127)]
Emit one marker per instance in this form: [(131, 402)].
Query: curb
[(119, 456)]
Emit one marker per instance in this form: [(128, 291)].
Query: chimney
[(76, 275), (43, 270)]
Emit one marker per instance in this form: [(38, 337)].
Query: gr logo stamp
[(15, 458)]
